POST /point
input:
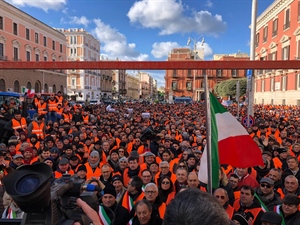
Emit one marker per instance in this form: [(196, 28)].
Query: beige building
[(132, 87), (119, 89), (82, 46), (24, 38)]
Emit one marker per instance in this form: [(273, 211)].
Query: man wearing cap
[(28, 156), (266, 194), (280, 160), (81, 171), (18, 160), (293, 168), (289, 210), (191, 162), (117, 182), (63, 168), (271, 218), (110, 212)]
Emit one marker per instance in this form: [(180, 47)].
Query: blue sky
[(150, 29)]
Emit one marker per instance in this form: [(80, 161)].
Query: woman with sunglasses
[(166, 190)]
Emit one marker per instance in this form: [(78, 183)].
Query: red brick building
[(278, 38), (180, 82)]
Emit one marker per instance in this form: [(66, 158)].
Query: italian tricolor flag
[(230, 144)]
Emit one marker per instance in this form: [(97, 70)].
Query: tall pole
[(251, 80), (237, 98), (194, 78), (208, 135)]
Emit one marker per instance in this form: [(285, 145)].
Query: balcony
[(16, 59), (3, 58)]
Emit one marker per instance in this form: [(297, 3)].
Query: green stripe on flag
[(215, 108)]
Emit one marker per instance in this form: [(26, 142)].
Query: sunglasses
[(221, 197), (265, 185), (181, 166), (165, 182)]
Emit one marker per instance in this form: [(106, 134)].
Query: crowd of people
[(145, 158)]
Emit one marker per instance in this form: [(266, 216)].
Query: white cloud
[(114, 43), (170, 17), (44, 4), (79, 20), (162, 49), (209, 3)]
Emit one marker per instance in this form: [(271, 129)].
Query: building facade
[(119, 90), (146, 82), (132, 87), (278, 38), (82, 46), (181, 82), (24, 38)]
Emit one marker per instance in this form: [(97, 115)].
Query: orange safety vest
[(126, 203), (59, 99), (38, 129), (41, 108), (230, 211), (59, 111), (59, 174), (52, 105), (90, 173), (86, 119), (254, 211), (162, 210), (67, 117), (22, 124)]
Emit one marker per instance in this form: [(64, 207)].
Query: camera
[(46, 203), (149, 134)]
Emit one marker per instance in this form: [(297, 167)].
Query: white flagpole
[(237, 98), (208, 136)]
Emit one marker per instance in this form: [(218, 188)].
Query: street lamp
[(195, 40)]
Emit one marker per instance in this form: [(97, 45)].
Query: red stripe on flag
[(239, 151)]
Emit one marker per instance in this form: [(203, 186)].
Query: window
[(298, 10), (1, 50), (53, 45), (265, 34), (45, 58), (189, 85), (15, 28), (272, 84), (272, 56), (257, 40), (45, 41), (286, 53), (283, 82), (73, 83), (298, 81), (16, 54), (37, 57), (234, 73), (27, 34), (174, 85), (189, 73), (286, 24), (262, 85), (36, 38), (1, 22), (219, 73), (275, 27), (60, 48), (28, 55)]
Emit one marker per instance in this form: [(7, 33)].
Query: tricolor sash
[(103, 216)]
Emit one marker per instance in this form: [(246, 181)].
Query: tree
[(228, 87)]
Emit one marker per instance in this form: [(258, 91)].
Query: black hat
[(49, 138), (291, 199), (267, 153), (109, 189), (54, 150), (240, 218), (74, 157), (191, 156), (81, 167), (117, 177), (49, 158), (267, 180), (67, 147), (271, 217), (281, 150)]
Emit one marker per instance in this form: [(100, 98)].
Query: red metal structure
[(152, 65)]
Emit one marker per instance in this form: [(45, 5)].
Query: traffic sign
[(245, 121)]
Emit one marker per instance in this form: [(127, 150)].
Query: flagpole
[(208, 136)]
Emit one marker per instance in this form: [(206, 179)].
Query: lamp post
[(195, 40)]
